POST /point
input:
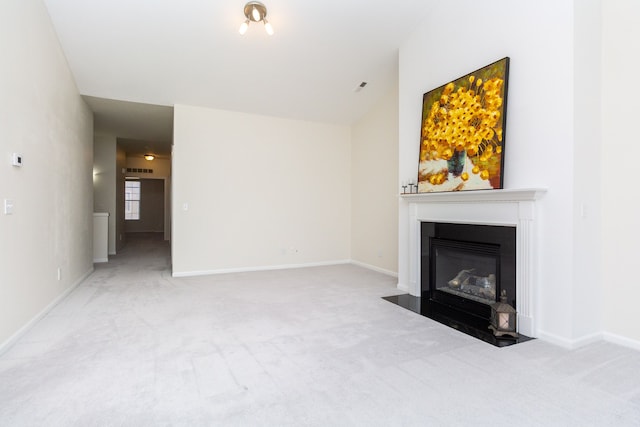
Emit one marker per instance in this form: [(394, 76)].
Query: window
[(131, 200)]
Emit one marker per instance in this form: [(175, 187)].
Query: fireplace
[(513, 209), (465, 266)]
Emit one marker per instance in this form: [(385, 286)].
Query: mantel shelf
[(504, 195)]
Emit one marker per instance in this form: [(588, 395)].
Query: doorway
[(145, 205)]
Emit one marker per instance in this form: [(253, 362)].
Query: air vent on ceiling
[(360, 86)]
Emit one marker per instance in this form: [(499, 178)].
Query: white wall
[(104, 182), (260, 191), (539, 144), (620, 198), (43, 118), (374, 186), (587, 309)]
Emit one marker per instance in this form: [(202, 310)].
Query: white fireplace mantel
[(507, 195), (507, 207)]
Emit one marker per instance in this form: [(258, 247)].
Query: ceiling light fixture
[(149, 156), (256, 12)]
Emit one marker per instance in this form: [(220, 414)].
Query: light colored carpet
[(133, 346)]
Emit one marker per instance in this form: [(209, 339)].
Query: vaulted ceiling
[(159, 53)]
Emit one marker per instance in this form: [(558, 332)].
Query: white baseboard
[(16, 336), (259, 268), (590, 339), (556, 340), (569, 344), (620, 340), (97, 260), (374, 268), (586, 340), (282, 267), (403, 287)]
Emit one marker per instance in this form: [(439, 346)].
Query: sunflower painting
[(463, 131)]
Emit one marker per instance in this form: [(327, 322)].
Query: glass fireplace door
[(465, 269)]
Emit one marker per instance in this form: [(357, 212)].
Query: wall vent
[(138, 170)]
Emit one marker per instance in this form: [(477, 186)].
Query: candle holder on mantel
[(503, 317)]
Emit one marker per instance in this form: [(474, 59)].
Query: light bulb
[(243, 27), (255, 13), (268, 28)]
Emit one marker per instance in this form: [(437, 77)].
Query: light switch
[(8, 206)]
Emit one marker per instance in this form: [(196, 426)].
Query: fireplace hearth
[(461, 321)]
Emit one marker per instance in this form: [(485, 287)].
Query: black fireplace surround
[(486, 252), (463, 269)]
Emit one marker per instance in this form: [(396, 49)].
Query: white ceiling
[(167, 52)]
